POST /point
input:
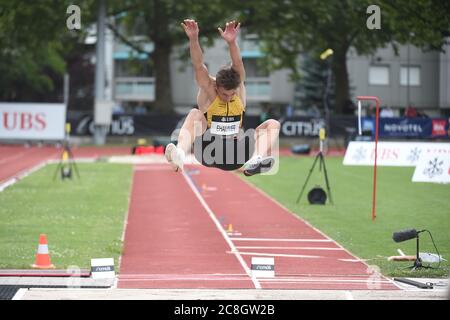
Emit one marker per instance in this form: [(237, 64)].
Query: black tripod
[(66, 163), (418, 262), (321, 159)]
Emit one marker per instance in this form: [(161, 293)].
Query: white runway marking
[(23, 174), (277, 255), (19, 294), (221, 230), (351, 260), (281, 240), (289, 248), (320, 280), (153, 167)]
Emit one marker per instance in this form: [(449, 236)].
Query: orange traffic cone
[(42, 256), (230, 228)]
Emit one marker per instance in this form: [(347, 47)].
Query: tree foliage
[(289, 28), (34, 43), (160, 21), (312, 83)]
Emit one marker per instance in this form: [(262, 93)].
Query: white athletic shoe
[(258, 164), (175, 156)]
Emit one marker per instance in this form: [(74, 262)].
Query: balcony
[(124, 52), (250, 47), (135, 89), (258, 89)]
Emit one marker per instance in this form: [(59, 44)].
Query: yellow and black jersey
[(225, 118)]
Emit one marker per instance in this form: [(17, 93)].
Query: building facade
[(412, 78), (386, 75)]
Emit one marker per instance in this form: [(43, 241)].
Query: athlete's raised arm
[(230, 36), (201, 72)]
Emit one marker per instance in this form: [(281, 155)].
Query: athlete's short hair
[(228, 78)]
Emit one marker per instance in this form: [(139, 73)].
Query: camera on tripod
[(67, 162), (317, 195)]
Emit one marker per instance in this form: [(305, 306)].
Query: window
[(379, 75), (253, 68), (133, 68), (414, 76)]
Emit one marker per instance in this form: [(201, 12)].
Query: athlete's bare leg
[(194, 125), (263, 158), (266, 136)]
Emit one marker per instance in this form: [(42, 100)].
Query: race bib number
[(225, 125)]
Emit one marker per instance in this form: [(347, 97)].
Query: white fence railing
[(143, 89), (135, 89), (258, 89)]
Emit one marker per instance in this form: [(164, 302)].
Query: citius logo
[(124, 125)]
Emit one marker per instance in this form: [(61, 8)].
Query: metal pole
[(99, 130), (408, 100), (325, 56), (100, 52), (326, 98), (66, 89), (374, 193)]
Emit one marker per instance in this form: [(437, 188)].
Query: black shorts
[(225, 153)]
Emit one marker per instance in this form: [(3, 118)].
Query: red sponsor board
[(439, 127)]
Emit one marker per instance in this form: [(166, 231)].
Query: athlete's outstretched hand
[(231, 31), (191, 28)]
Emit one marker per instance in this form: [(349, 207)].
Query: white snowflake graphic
[(414, 155), (434, 168), (360, 154)]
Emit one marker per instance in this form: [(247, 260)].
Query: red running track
[(170, 242), (17, 159), (175, 238)]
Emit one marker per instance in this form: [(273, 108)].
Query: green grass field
[(401, 204), (82, 218)]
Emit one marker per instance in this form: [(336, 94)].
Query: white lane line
[(321, 280), (352, 260), (277, 255), (221, 230), (289, 248), (19, 294), (281, 240), (152, 167), (23, 174), (125, 225)]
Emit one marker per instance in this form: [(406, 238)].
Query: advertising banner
[(401, 154), (433, 167), (408, 127), (32, 121)]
